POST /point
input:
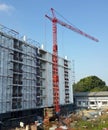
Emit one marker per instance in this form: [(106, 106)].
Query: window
[(104, 102), (92, 103), (79, 102), (16, 103)]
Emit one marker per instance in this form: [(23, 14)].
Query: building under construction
[(26, 83)]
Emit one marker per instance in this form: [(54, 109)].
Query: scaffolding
[(26, 75), (20, 79)]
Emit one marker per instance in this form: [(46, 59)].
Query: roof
[(103, 93)]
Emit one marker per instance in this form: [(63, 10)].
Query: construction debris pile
[(81, 119)]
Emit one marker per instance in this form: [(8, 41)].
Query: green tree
[(90, 83)]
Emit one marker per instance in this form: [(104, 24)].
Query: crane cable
[(66, 20)]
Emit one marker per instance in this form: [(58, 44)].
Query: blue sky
[(28, 18)]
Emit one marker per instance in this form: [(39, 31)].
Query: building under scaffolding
[(26, 78)]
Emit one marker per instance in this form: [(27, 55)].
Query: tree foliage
[(90, 83)]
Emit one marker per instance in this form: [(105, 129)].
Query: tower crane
[(55, 75)]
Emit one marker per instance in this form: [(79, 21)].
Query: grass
[(94, 124)]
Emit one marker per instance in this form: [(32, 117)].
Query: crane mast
[(55, 75), (55, 65)]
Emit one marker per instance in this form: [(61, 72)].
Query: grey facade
[(26, 76)]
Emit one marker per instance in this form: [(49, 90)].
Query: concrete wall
[(30, 74), (95, 102), (29, 77), (5, 74)]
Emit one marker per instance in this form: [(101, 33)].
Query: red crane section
[(55, 76)]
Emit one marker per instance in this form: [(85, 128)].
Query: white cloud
[(5, 8)]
